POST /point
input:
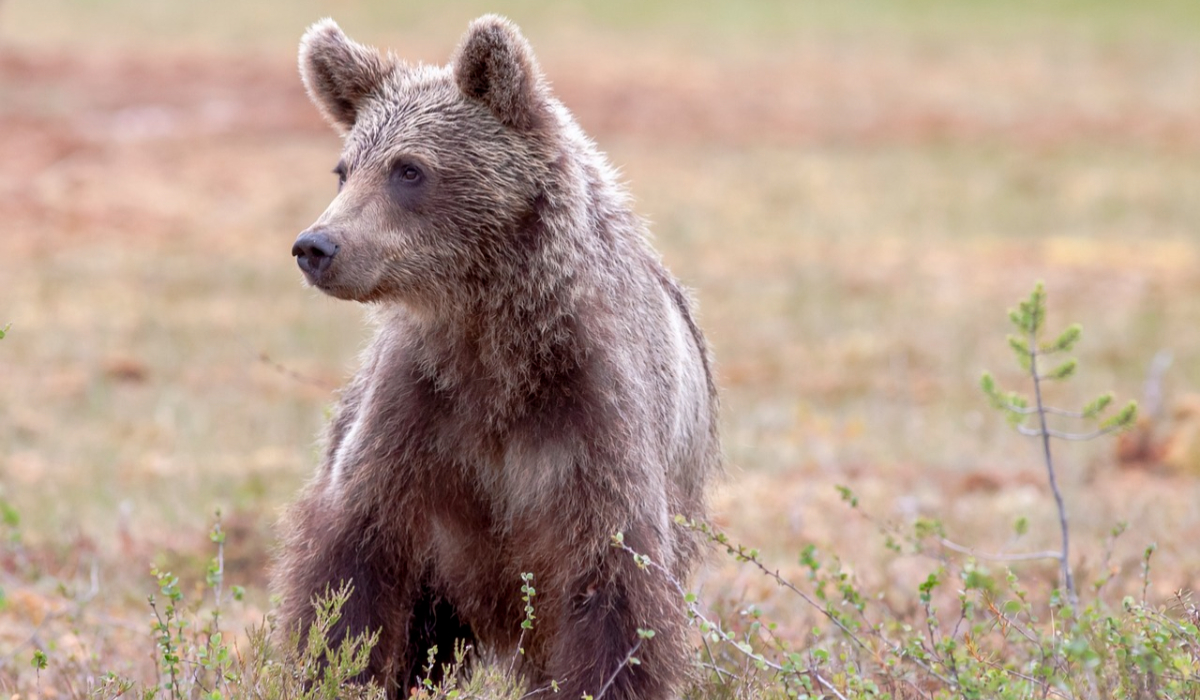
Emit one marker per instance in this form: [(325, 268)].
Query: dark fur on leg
[(434, 623), (378, 601), (598, 617)]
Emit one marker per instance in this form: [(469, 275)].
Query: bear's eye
[(340, 171), (407, 173), (409, 182)]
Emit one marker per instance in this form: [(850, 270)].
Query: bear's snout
[(314, 253)]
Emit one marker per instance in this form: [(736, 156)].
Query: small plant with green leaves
[(970, 629), (997, 640), (1033, 418), (193, 659), (527, 594), (196, 660)]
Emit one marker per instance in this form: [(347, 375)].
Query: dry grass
[(856, 199)]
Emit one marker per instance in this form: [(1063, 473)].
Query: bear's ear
[(494, 64), (339, 73)]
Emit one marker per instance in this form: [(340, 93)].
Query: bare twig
[(1031, 410), (721, 673), (1060, 435), (264, 358), (1049, 690), (825, 684), (617, 671), (293, 374), (713, 659), (1030, 556), (1064, 530), (694, 610), (539, 691)]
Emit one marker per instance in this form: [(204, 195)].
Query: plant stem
[(1064, 558), (617, 672)]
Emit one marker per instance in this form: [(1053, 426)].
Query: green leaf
[(1037, 307), (9, 515), (988, 384), (1066, 340), (808, 557), (1011, 401), (1097, 407), (1123, 419), (927, 586), (1020, 346), (1003, 401), (975, 578), (1063, 371), (928, 527)]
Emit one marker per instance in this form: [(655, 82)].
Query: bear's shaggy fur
[(536, 383)]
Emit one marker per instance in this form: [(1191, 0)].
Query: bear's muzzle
[(314, 252)]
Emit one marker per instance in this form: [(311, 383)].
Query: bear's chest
[(406, 430)]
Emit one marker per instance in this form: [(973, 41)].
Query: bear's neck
[(499, 358)]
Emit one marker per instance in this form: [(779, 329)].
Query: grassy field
[(857, 192)]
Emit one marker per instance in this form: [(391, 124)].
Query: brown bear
[(535, 385)]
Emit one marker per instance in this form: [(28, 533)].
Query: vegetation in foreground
[(973, 628)]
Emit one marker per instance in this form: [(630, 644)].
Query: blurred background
[(856, 191)]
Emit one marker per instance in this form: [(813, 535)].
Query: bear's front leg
[(329, 547), (603, 607)]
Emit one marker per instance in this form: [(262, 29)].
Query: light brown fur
[(536, 383)]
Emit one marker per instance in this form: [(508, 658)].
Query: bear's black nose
[(314, 252)]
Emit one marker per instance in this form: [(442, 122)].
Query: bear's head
[(443, 171)]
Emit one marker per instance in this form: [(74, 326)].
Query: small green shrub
[(196, 660), (978, 632)]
